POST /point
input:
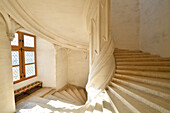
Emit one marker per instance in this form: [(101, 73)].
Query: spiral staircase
[(140, 84)]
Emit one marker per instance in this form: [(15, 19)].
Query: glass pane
[(15, 40), (29, 57), (28, 41), (15, 57), (16, 73), (30, 70)]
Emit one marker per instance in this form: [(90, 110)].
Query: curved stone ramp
[(141, 84)]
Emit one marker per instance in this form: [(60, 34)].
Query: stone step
[(116, 51), (147, 80), (165, 75), (66, 94), (73, 94), (125, 50), (145, 68), (130, 53), (164, 93), (55, 98), (139, 63), (63, 98), (107, 107), (78, 94), (98, 107), (119, 103), (142, 59), (43, 91), (132, 103), (137, 56), (83, 93), (90, 107), (151, 100)]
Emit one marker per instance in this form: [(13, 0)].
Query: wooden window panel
[(21, 48)]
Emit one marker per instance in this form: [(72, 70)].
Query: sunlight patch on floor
[(59, 104), (36, 109)]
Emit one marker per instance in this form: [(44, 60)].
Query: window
[(23, 56)]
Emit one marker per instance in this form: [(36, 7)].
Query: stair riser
[(145, 68), (71, 98), (74, 96), (139, 98), (141, 60), (124, 101), (154, 83), (144, 89), (146, 74), (143, 64), (125, 54)]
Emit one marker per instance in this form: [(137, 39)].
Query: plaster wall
[(61, 67), (7, 104), (78, 68), (125, 17), (155, 26), (46, 63), (46, 71)]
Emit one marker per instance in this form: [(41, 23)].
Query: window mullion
[(22, 57)]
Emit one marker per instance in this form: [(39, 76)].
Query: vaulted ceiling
[(62, 22), (64, 17)]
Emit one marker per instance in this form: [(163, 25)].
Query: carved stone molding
[(57, 47), (12, 26), (17, 10), (85, 54)]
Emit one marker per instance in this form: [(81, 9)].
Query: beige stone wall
[(78, 68), (61, 67), (46, 63), (155, 26), (7, 104), (125, 23)]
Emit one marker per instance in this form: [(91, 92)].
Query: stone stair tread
[(72, 94), (142, 59), (43, 91), (152, 98), (130, 53), (89, 109), (119, 52), (140, 106), (65, 93), (60, 96), (144, 87), (51, 97), (145, 68), (165, 75), (139, 63), (51, 92), (147, 80), (78, 94), (98, 107), (107, 108), (83, 93), (120, 106)]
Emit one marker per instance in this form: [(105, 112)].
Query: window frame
[(22, 50)]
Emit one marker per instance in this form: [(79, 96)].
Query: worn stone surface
[(125, 23), (155, 26)]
